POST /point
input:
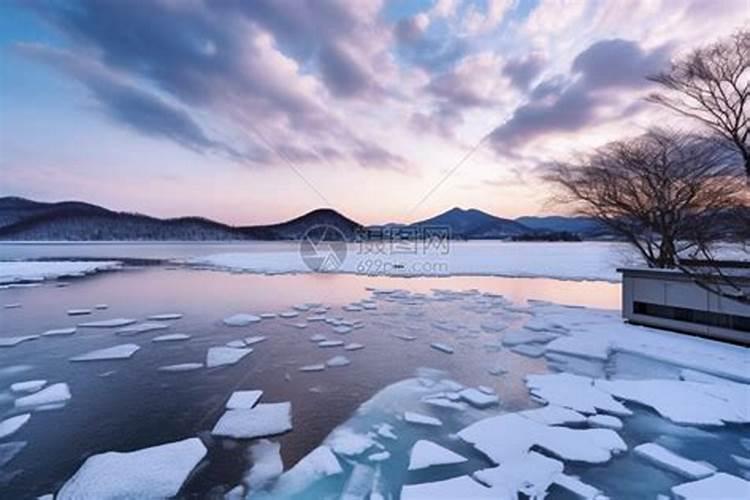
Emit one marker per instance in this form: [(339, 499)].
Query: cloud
[(561, 105), (125, 103), (523, 70)]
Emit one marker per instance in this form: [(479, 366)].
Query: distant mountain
[(27, 220), (585, 227), (475, 224)]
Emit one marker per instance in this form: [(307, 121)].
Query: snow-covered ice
[(353, 346), (531, 474), (122, 351), (720, 486), (418, 418), (28, 386), (426, 454), (172, 337), (331, 343), (477, 398), (241, 319), (606, 421), (380, 456), (319, 367), (574, 392), (23, 271), (108, 323), (347, 442), (254, 340), (267, 464), (518, 337), (264, 420), (10, 425), (578, 487), (156, 472), (59, 332), (223, 356), (671, 461), (52, 394), (243, 399), (318, 464), (462, 487), (530, 350)]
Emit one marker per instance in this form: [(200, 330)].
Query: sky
[(387, 111)]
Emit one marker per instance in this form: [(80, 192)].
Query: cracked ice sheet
[(122, 351), (595, 333), (264, 420), (156, 472), (17, 271)]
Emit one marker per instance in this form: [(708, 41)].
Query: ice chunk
[(530, 350), (493, 327), (463, 487), (11, 425), (312, 368), (288, 314), (59, 331), (345, 441), (8, 451), (606, 421), (267, 315), (301, 325), (342, 329), (380, 456), (443, 402), (142, 328), (418, 418), (526, 337), (156, 472), (478, 399), (352, 308), (319, 463), (577, 487), (317, 338), (241, 319), (14, 305), (263, 420), (662, 457), (426, 454), (338, 361), (720, 486), (331, 343), (353, 347), (505, 437), (223, 356), (53, 394), (360, 482), (237, 344), (404, 336), (442, 347), (172, 337), (243, 399), (267, 464), (122, 351), (182, 367), (385, 430), (685, 402), (575, 392), (554, 415), (28, 386), (78, 312), (301, 307), (108, 323), (14, 341), (254, 340), (24, 271), (165, 316), (531, 474), (101, 307)]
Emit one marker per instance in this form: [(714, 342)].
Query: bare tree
[(664, 192), (712, 85)]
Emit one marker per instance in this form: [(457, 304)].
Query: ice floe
[(331, 343), (439, 346), (181, 367), (316, 465), (477, 398), (720, 486), (101, 307), (172, 337), (426, 454), (50, 395), (14, 341), (530, 350), (9, 451), (224, 356), (108, 323), (122, 351), (11, 425), (530, 474), (338, 361), (353, 346), (142, 328), (342, 329), (254, 340), (264, 420), (24, 271), (156, 472), (15, 305), (664, 458), (28, 386), (288, 314), (267, 465), (243, 399), (418, 418), (578, 487), (462, 487), (313, 368), (165, 316), (59, 332), (346, 442), (241, 319), (518, 337), (606, 421), (574, 392), (380, 456), (79, 312)]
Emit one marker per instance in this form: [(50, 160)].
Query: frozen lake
[(406, 325)]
